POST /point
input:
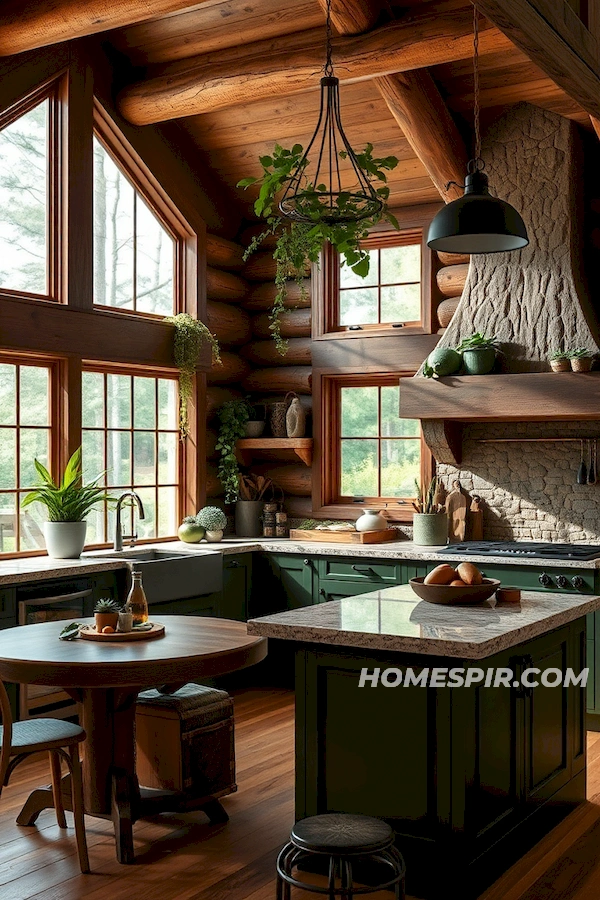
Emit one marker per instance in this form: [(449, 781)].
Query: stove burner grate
[(529, 549)]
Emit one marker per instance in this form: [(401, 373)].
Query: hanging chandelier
[(477, 222), (318, 195)]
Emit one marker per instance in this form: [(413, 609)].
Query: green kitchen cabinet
[(293, 582), (206, 605), (237, 586)]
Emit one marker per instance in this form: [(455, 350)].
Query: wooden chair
[(20, 739)]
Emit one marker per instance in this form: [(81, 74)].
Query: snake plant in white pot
[(67, 504)]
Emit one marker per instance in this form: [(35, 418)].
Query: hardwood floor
[(183, 858)]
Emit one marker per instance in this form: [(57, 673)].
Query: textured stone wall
[(529, 489)]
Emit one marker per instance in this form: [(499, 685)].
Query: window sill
[(370, 331), (351, 512)]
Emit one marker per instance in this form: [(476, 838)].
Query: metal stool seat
[(348, 841)]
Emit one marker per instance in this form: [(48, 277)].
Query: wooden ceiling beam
[(27, 26), (416, 104), (293, 64), (551, 47)]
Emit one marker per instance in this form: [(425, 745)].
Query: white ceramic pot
[(214, 536), (371, 520), (64, 540)]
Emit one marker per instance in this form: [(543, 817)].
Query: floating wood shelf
[(445, 404), (246, 447)]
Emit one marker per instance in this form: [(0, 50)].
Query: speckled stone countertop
[(395, 620), (13, 571)]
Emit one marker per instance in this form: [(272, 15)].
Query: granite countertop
[(13, 571), (395, 620)]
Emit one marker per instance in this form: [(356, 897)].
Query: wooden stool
[(185, 743), (346, 840)]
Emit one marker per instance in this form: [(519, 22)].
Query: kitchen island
[(469, 777)]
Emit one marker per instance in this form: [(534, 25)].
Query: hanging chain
[(476, 86), (329, 63)]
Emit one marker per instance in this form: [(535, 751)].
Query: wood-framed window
[(396, 297), (130, 432), (30, 196), (29, 429), (366, 455)]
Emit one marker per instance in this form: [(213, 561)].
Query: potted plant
[(106, 614), (560, 361), (300, 243), (233, 418), (249, 507), (213, 520), (478, 353), (190, 336), (581, 359), (256, 423), (67, 504), (190, 532), (430, 521)]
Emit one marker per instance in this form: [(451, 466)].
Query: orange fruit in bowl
[(457, 583)]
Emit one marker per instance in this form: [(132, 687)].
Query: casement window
[(130, 432), (28, 184), (135, 252), (368, 455), (28, 431)]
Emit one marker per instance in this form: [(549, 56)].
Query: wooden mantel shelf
[(444, 404), (302, 447)]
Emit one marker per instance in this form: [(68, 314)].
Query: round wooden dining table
[(104, 678)]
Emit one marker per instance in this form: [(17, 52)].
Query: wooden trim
[(326, 499)]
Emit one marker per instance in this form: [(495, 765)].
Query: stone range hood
[(534, 300)]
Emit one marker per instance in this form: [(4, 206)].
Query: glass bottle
[(136, 600)]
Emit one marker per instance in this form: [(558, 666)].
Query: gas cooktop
[(529, 549)]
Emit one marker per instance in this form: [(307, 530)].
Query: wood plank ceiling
[(231, 139)]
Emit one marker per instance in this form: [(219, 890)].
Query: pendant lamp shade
[(477, 222)]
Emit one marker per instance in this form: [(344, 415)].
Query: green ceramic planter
[(430, 529), (479, 362)]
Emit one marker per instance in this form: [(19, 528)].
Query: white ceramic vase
[(214, 536), (371, 520), (64, 540)]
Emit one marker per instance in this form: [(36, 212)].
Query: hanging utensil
[(593, 463), (582, 471)]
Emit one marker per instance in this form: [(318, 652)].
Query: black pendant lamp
[(316, 194), (477, 222)]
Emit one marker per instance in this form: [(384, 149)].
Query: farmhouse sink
[(169, 575)]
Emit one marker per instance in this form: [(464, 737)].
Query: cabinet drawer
[(529, 578), (338, 590), (375, 570), (8, 605)]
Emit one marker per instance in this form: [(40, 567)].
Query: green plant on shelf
[(70, 500), (300, 243), (233, 417), (580, 353), (478, 341), (190, 336), (560, 354)]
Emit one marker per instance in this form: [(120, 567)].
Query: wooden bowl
[(448, 595)]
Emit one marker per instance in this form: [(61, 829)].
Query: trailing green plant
[(478, 341), (70, 500), (190, 336), (560, 354), (233, 416), (212, 518), (426, 501), (107, 606), (580, 353), (299, 243)]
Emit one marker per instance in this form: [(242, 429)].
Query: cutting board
[(456, 508), (345, 537)]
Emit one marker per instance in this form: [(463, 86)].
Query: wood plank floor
[(183, 858)]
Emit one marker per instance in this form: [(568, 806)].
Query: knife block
[(185, 741)]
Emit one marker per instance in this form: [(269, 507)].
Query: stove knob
[(545, 580), (577, 582), (562, 581)]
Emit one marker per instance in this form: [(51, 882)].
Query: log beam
[(261, 296), (230, 323), (223, 254), (293, 63), (27, 26), (292, 323), (451, 280), (595, 125), (280, 380), (265, 353), (232, 370), (224, 286)]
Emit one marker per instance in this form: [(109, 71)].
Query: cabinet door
[(237, 579), (191, 606), (296, 575)]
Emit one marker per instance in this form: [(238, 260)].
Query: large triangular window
[(134, 252), (25, 161)]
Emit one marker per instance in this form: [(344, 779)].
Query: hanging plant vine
[(300, 243), (190, 336)]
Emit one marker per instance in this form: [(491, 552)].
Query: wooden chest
[(185, 741)]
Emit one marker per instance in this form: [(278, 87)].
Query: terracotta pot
[(104, 619), (582, 364), (560, 365)]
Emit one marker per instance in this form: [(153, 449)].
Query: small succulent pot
[(213, 537), (255, 428), (581, 363), (108, 618), (125, 621), (430, 529), (560, 365), (479, 362)]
